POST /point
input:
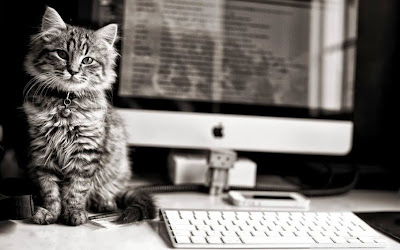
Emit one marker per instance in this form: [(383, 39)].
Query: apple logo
[(218, 131)]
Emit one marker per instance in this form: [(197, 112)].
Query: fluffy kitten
[(78, 150)]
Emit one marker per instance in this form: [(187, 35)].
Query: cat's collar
[(67, 97), (61, 94)]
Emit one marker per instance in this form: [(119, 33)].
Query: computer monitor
[(246, 75)]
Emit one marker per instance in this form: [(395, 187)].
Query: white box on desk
[(192, 169)]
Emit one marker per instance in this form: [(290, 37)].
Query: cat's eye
[(87, 60), (62, 54)]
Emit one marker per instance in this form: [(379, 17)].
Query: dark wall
[(376, 102), (376, 82)]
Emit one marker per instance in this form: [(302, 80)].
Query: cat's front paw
[(43, 216), (74, 217)]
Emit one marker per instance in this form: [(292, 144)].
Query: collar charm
[(66, 112)]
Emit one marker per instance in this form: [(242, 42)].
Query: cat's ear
[(108, 33), (51, 19)]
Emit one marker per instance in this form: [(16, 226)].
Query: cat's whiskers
[(41, 88), (47, 90), (28, 88), (46, 86), (34, 82), (35, 97), (31, 83), (37, 91)]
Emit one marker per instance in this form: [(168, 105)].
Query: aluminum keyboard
[(258, 229)]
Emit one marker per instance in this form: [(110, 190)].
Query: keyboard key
[(225, 222), (275, 228), (269, 215), (315, 234), (278, 240), (186, 214), (353, 240), (287, 234), (215, 215), (228, 215), (258, 233), (300, 233), (239, 222), (182, 233), (203, 227), (211, 222), (198, 239), (247, 228), (380, 240), (273, 234), (296, 214), (196, 222), (229, 233), (267, 223), (183, 239), (242, 234), (339, 240), (199, 233), (261, 228), (323, 239), (179, 222), (254, 223), (289, 228), (218, 228), (329, 234), (317, 228), (362, 233), (366, 239), (233, 228), (200, 215), (172, 214), (183, 227), (256, 214), (231, 240), (342, 233), (244, 214), (214, 240), (214, 233)]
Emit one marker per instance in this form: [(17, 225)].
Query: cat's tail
[(137, 205)]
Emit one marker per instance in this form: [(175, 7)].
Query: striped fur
[(79, 161)]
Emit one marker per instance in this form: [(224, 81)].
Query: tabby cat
[(77, 142)]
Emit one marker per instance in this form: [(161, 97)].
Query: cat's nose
[(72, 72)]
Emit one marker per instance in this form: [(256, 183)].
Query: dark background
[(376, 109)]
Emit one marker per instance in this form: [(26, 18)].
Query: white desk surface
[(150, 235)]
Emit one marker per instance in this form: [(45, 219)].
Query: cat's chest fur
[(60, 136)]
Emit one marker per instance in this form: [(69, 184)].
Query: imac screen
[(256, 59)]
